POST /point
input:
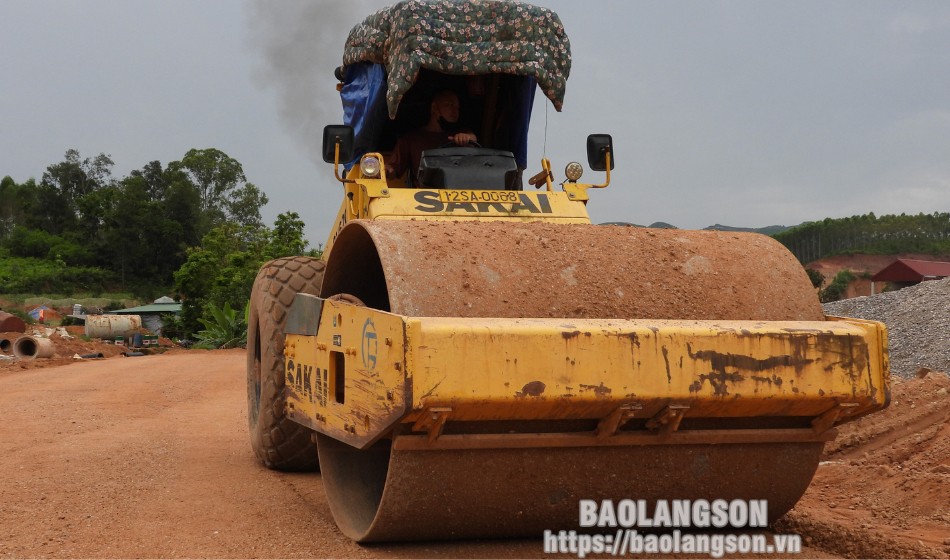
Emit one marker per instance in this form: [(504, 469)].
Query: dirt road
[(148, 457)]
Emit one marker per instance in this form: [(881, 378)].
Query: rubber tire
[(279, 442)]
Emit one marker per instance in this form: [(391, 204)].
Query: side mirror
[(597, 147), (337, 134)]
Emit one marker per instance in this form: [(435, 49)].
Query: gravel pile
[(918, 324)]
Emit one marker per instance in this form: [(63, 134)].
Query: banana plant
[(226, 329)]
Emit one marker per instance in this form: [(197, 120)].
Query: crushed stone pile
[(918, 324)]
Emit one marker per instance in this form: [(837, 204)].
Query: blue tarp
[(38, 312), (364, 104)]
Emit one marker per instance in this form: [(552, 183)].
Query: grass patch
[(117, 300)]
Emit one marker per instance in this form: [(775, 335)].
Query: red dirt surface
[(149, 457), (884, 487)]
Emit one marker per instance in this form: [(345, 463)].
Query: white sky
[(743, 113)]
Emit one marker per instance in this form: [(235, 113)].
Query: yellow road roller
[(472, 358)]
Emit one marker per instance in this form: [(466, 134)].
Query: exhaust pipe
[(30, 348)]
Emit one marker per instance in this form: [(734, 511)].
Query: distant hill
[(655, 225), (767, 230)]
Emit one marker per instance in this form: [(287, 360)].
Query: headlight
[(573, 171), (369, 166)]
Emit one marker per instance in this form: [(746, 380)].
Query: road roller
[(472, 357)]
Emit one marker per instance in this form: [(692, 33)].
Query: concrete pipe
[(6, 344), (30, 348), (11, 323)]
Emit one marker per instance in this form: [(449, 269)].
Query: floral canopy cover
[(463, 38)]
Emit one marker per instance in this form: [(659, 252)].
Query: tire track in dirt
[(884, 489), (896, 434)]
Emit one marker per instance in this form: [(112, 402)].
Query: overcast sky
[(743, 113)]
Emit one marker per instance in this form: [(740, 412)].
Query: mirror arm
[(607, 159), (336, 164)]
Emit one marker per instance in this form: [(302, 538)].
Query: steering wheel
[(471, 144)]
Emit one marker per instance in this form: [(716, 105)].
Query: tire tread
[(279, 442)]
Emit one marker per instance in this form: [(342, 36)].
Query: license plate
[(479, 196)]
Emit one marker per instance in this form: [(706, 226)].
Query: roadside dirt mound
[(883, 490)]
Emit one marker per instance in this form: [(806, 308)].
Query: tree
[(220, 271), (244, 206), (888, 234), (57, 206), (182, 205), (15, 200), (139, 228), (156, 179), (216, 176), (133, 239), (286, 238), (75, 178)]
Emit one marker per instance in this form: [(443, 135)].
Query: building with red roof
[(907, 272)]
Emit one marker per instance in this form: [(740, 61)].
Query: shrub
[(838, 286), (226, 329), (70, 321)]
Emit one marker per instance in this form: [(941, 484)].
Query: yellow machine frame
[(380, 198), (356, 374), (364, 371)]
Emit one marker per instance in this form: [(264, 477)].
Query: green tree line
[(192, 227), (882, 235)]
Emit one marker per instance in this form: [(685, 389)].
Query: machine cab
[(393, 71), (496, 108)]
